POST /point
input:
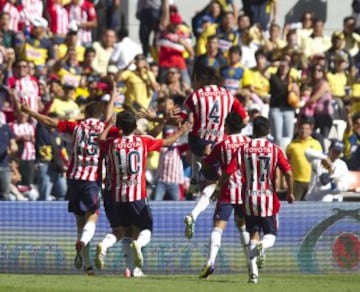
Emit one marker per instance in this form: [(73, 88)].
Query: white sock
[(268, 241), (128, 254), (88, 232), (245, 241), (204, 201), (215, 243), (144, 238), (109, 240), (253, 258), (86, 256)]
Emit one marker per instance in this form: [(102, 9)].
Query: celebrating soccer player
[(208, 105), (127, 158), (231, 193), (82, 174), (257, 161)]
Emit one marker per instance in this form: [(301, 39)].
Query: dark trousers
[(149, 22)]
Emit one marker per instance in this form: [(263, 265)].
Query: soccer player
[(117, 233), (82, 174), (127, 158), (208, 105), (258, 161), (230, 198)]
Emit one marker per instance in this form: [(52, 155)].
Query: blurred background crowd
[(54, 56)]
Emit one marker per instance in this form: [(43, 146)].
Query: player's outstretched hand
[(148, 114), (24, 107), (290, 198), (186, 127), (112, 120)]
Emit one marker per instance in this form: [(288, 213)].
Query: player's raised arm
[(109, 125), (50, 122), (172, 139), (109, 110)]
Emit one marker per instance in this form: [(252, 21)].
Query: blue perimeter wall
[(39, 237)]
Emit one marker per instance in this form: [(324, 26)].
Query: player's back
[(229, 146), (127, 163), (259, 161), (233, 188), (210, 105), (85, 157)]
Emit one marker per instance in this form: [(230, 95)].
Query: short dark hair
[(89, 50), (234, 122), (235, 50), (212, 37), (260, 52), (94, 109), (126, 121), (305, 120), (122, 33), (206, 75), (347, 18), (261, 126)]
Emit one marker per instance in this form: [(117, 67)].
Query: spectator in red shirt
[(172, 42), (83, 14)]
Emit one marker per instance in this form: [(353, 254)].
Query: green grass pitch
[(171, 283)]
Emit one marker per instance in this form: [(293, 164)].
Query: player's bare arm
[(50, 122), (109, 110), (290, 182), (108, 126), (172, 139)]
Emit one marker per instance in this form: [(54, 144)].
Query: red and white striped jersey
[(221, 156), (21, 130), (258, 161), (59, 19), (15, 16), (26, 90), (170, 168), (210, 106), (32, 9), (85, 157), (83, 12), (127, 157)]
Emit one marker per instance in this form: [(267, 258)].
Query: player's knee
[(269, 239)]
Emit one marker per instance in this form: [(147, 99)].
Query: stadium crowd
[(306, 82)]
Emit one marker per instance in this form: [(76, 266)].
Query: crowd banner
[(314, 237)]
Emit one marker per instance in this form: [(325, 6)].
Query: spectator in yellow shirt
[(338, 80), (64, 106), (296, 154), (258, 81), (71, 42), (225, 31), (140, 84)]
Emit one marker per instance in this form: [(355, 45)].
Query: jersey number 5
[(88, 144)]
